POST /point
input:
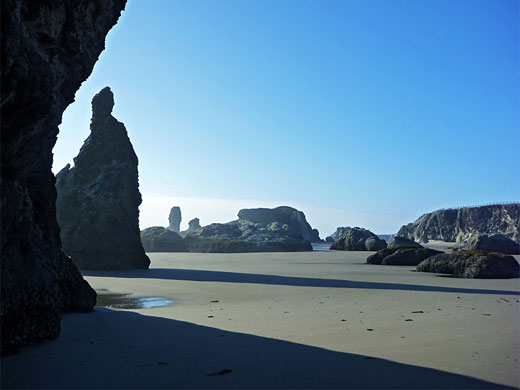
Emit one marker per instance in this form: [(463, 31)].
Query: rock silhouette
[(48, 50), (98, 199)]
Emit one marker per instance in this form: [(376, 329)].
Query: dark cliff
[(457, 225), (49, 48), (98, 199)]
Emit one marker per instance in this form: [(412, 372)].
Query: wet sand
[(283, 320)]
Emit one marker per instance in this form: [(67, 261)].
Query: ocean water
[(123, 301), (321, 246)]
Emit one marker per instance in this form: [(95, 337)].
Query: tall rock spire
[(98, 199)]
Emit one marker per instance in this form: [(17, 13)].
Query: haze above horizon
[(357, 113)]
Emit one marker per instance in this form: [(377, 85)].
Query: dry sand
[(284, 320)]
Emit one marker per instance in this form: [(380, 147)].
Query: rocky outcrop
[(457, 225), (193, 226), (401, 255), (98, 199), (298, 227), (493, 243), (48, 49), (472, 264), (397, 241), (337, 234), (159, 239), (358, 239), (244, 236), (175, 219)]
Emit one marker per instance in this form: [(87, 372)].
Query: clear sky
[(364, 113)]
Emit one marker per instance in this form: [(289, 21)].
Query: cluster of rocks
[(98, 199), (458, 225), (461, 263), (282, 229), (358, 239)]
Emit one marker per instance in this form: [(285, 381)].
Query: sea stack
[(175, 219), (98, 199)]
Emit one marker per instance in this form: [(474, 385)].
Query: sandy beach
[(283, 320)]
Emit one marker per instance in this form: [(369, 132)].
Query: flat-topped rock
[(298, 227), (98, 199), (474, 264)]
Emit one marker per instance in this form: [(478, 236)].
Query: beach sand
[(283, 320)]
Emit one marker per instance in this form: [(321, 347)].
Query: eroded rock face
[(98, 199), (193, 226), (295, 219), (159, 239), (399, 255), (473, 264), (175, 219), (358, 239), (337, 234), (244, 236), (48, 49), (493, 243), (457, 225)]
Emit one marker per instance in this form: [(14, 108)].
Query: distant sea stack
[(457, 225), (175, 219), (294, 219), (358, 239), (193, 226), (98, 198)]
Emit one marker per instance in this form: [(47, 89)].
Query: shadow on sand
[(115, 349), (235, 277)]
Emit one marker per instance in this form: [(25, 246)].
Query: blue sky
[(364, 113)]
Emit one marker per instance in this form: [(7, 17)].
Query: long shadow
[(235, 277), (115, 349)]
